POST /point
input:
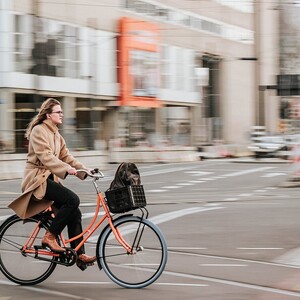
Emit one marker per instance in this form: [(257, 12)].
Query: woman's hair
[(46, 108)]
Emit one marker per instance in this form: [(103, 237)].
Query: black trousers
[(69, 214)]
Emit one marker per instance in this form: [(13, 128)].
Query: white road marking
[(156, 283), (248, 171), (169, 170), (156, 191), (87, 204), (171, 187), (223, 265), (162, 218), (198, 173), (261, 248), (44, 291), (84, 282), (185, 248), (9, 193), (185, 183), (233, 283), (290, 258), (181, 284), (3, 218), (273, 174), (245, 195), (91, 215)]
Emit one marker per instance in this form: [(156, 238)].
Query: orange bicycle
[(130, 249)]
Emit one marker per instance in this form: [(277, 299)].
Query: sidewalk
[(12, 165)]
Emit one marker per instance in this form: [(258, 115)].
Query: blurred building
[(289, 62), (138, 72)]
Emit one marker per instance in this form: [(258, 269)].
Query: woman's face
[(57, 115)]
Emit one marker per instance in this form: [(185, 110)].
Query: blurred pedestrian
[(48, 159)]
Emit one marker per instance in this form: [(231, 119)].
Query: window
[(166, 64), (22, 42), (185, 18)]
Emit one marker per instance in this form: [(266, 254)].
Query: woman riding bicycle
[(48, 159)]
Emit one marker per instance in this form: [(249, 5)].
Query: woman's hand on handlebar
[(94, 173), (72, 171)]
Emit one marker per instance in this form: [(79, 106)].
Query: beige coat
[(47, 154)]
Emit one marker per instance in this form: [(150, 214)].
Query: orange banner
[(138, 63)]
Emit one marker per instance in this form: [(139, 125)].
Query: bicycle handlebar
[(96, 173)]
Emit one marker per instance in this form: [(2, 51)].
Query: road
[(232, 230)]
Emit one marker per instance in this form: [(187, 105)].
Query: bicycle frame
[(87, 232)]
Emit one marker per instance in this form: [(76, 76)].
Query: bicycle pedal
[(81, 265)]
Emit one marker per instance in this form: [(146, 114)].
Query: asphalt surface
[(232, 229)]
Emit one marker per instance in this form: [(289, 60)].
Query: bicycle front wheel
[(144, 264), (17, 266)]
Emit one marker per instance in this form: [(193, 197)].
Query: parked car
[(271, 146)]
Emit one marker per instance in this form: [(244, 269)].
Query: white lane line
[(260, 191), (198, 173), (185, 248), (91, 215), (55, 293), (44, 291), (171, 187), (291, 257), (233, 283), (181, 284), (261, 248), (162, 218), (273, 174), (3, 218), (248, 171), (231, 199), (9, 193), (156, 283), (87, 204), (156, 191), (185, 183), (245, 195), (169, 170), (223, 265)]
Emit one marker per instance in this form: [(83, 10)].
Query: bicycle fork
[(135, 247)]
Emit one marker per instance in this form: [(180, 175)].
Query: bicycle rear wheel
[(146, 262), (22, 268)]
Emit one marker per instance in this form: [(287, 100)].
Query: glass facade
[(164, 13)]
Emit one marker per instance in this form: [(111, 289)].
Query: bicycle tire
[(147, 262), (16, 266)]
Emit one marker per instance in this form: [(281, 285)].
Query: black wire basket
[(126, 198)]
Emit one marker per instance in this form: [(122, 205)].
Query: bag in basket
[(126, 192)]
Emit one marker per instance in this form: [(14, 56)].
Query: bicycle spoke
[(20, 266), (144, 264)]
